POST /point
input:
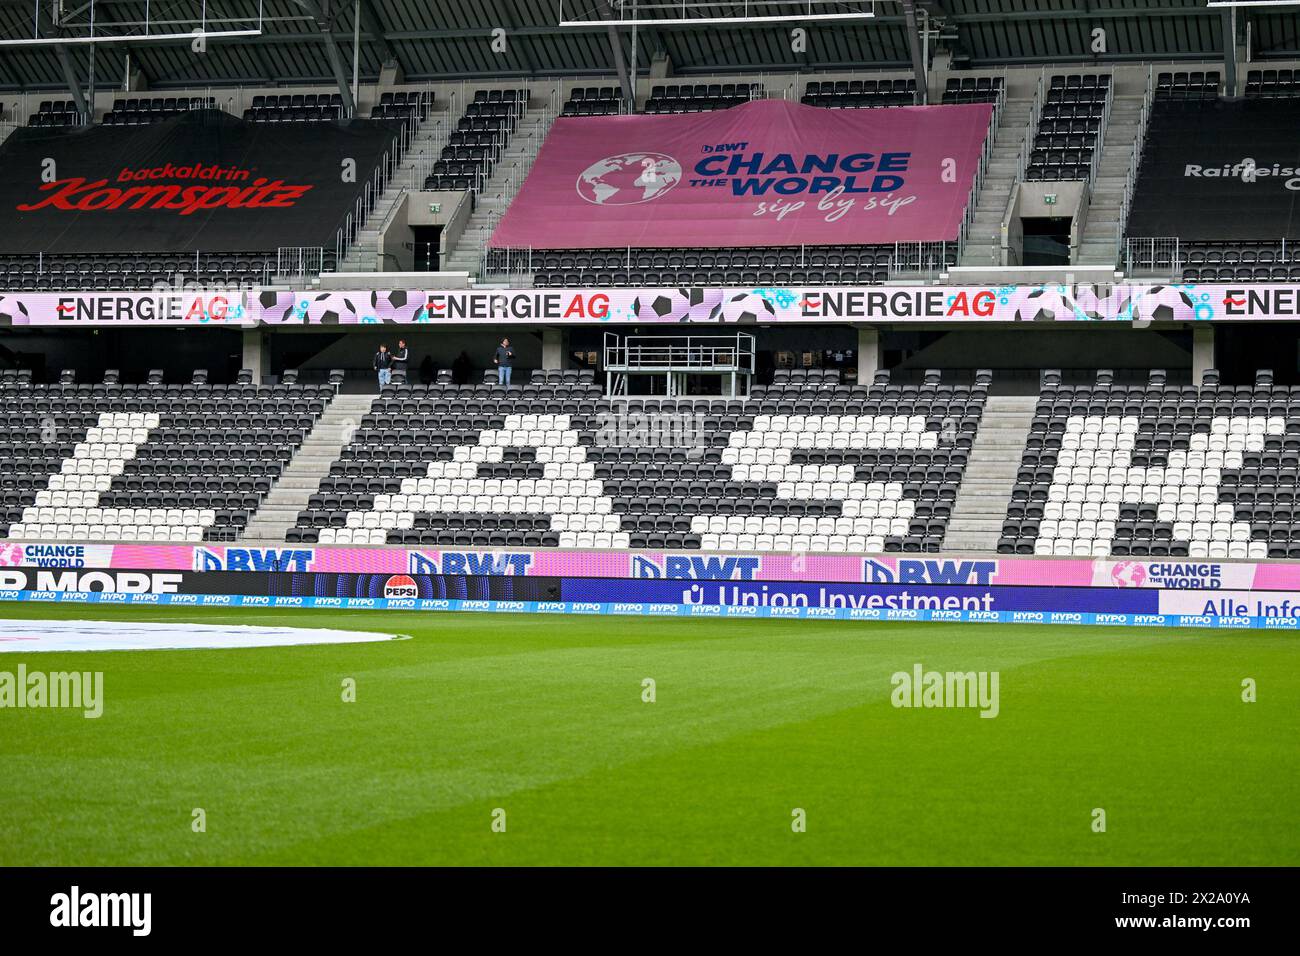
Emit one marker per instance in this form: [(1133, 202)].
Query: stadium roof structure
[(300, 42)]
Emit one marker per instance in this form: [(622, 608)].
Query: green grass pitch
[(543, 717)]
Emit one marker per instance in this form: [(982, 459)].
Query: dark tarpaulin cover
[(203, 181), (1216, 201)]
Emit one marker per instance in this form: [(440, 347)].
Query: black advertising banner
[(203, 180), (1222, 170)]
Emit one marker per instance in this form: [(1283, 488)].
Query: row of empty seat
[(113, 462), (804, 463), (55, 273), (860, 94), (1069, 127), (1208, 471), (481, 134), (791, 265)]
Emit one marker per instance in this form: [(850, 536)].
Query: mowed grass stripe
[(543, 716)]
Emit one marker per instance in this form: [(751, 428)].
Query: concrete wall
[(396, 252)]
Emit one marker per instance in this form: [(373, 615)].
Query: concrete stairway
[(507, 176), (302, 478), (1099, 244), (981, 507), (984, 235), (420, 155)]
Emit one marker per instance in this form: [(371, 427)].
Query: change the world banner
[(765, 173)]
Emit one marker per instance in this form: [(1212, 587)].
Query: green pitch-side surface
[(543, 717)]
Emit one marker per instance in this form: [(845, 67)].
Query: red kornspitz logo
[(76, 194)]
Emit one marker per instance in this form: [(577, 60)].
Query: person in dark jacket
[(504, 360), (383, 364), (401, 355)]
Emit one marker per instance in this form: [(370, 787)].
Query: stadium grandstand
[(1050, 309), (644, 433)]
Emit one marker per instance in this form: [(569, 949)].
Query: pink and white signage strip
[(1163, 574), (765, 173), (664, 306)]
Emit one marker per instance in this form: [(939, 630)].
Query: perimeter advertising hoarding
[(612, 307), (1016, 590)]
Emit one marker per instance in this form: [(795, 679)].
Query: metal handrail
[(1135, 156)]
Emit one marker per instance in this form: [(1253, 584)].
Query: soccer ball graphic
[(1162, 303), (745, 308), (670, 305), (628, 178)]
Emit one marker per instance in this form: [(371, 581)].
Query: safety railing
[(517, 266), (1135, 156), (1094, 166), (1153, 255), (645, 353), (986, 155), (1035, 115)]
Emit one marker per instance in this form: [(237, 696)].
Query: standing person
[(504, 360), (401, 355), (383, 364)]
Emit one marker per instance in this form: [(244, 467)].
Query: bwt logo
[(493, 564), (254, 559), (909, 571), (681, 567)]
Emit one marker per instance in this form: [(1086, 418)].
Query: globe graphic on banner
[(629, 178)]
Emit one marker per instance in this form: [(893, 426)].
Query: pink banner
[(1164, 574), (766, 173)]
